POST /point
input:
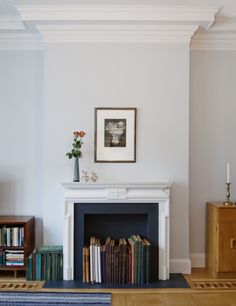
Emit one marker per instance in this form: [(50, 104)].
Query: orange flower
[(79, 134), (82, 134), (76, 134)]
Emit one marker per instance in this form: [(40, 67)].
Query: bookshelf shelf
[(17, 241)]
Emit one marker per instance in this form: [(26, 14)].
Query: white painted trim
[(214, 41), (221, 36), (118, 33), (201, 15), (11, 22), (117, 193), (198, 260), (117, 23), (20, 41), (102, 185), (180, 266), (223, 23)]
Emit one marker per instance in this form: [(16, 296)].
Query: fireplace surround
[(115, 194)]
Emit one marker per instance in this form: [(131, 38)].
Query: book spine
[(148, 268), (84, 264), (53, 268), (38, 267), (29, 269), (87, 274), (60, 266), (99, 263), (49, 267)]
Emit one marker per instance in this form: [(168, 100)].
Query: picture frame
[(115, 135)]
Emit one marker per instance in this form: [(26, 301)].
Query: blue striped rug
[(54, 298)]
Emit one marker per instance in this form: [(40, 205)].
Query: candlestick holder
[(228, 202)]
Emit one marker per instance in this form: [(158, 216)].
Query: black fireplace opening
[(115, 220)]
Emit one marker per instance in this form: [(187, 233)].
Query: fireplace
[(116, 220), (142, 206)]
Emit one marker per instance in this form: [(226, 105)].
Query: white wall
[(44, 99), (155, 79), (149, 77), (212, 135), (21, 135)]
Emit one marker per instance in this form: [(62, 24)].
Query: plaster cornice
[(114, 23), (117, 23), (20, 41), (116, 33), (202, 15), (221, 36), (11, 22)]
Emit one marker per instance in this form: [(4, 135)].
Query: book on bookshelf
[(17, 240)]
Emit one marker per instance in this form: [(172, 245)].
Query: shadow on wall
[(38, 232)]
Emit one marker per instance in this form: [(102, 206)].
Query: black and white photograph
[(115, 134)]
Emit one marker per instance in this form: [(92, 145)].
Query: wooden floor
[(184, 297), (176, 297), (171, 297)]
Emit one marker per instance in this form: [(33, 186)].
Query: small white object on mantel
[(117, 192)]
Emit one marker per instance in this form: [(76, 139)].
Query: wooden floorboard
[(165, 297)]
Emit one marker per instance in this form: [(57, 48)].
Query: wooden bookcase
[(28, 245), (221, 239)]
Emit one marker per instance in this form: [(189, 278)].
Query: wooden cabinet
[(17, 241), (221, 240)]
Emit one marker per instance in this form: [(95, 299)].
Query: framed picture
[(115, 135)]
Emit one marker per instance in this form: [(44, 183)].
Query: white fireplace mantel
[(116, 193)]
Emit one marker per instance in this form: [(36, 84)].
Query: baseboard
[(198, 260), (180, 266)]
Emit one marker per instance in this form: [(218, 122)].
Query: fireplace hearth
[(142, 207)]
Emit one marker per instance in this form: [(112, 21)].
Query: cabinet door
[(227, 247)]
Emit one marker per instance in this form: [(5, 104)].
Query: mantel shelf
[(99, 185)]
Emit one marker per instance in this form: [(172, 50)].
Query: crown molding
[(11, 22), (20, 41), (212, 41), (116, 33), (117, 23), (221, 36), (223, 24), (203, 16), (109, 23)]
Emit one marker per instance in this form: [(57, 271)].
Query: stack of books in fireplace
[(122, 261)]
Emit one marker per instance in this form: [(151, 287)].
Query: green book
[(148, 257), (29, 276), (38, 267), (45, 267), (49, 267), (30, 262), (50, 249), (34, 265), (143, 268), (60, 258), (54, 271)]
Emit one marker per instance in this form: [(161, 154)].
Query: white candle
[(228, 173)]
